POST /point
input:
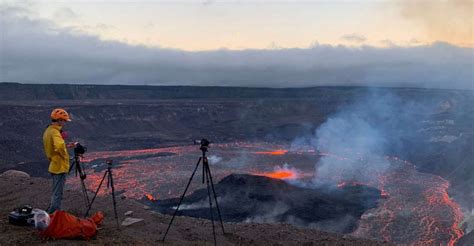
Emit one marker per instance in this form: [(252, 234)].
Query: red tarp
[(65, 225)]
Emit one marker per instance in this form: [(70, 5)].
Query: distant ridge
[(11, 91)]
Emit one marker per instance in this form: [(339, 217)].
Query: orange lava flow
[(281, 174), (276, 152), (416, 210), (443, 198), (150, 197)]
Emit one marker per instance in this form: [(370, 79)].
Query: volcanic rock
[(15, 174), (252, 198), (130, 221)]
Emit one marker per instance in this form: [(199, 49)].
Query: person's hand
[(71, 145)]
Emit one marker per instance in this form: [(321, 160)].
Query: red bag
[(65, 225)]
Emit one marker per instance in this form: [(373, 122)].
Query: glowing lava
[(276, 152), (416, 210), (280, 174), (150, 197)]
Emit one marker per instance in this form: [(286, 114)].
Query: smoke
[(196, 205), (36, 50), (447, 20), (339, 225), (276, 213), (214, 159), (354, 142), (269, 213), (468, 222), (354, 147), (239, 160)]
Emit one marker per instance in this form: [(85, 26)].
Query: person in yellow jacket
[(58, 157)]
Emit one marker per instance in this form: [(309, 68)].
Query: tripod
[(110, 183), (82, 176), (206, 173)]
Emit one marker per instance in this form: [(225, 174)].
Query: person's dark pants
[(57, 196)]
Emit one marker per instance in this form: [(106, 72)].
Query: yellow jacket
[(55, 150)]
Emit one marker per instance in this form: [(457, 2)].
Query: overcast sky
[(239, 43)]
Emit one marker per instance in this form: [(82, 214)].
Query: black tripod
[(206, 173), (110, 183), (82, 176)]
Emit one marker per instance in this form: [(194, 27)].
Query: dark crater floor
[(249, 198)]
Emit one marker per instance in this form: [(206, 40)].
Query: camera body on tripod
[(204, 144), (79, 149)]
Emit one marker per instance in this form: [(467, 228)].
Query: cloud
[(65, 14), (99, 27), (354, 37), (38, 51), (387, 42), (447, 20)]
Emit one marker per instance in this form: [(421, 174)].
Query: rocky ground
[(17, 191)]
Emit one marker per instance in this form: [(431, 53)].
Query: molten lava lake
[(163, 172), (415, 208)]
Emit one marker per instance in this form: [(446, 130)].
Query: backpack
[(22, 216)]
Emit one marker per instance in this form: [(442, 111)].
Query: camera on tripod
[(206, 176), (204, 144), (79, 149)]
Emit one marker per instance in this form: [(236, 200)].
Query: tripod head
[(79, 150), (109, 164), (204, 145)]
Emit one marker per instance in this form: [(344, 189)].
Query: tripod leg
[(111, 182), (205, 168), (181, 199), (84, 193), (95, 195), (215, 198)]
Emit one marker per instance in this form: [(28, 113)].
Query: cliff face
[(46, 92), (125, 117), (109, 125)]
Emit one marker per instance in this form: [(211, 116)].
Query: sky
[(417, 43)]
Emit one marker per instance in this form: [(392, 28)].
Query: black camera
[(79, 149), (204, 144)]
